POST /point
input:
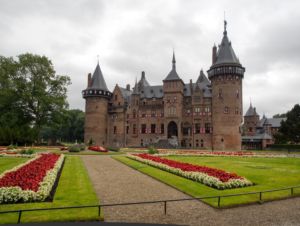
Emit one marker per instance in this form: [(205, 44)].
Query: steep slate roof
[(225, 52), (260, 136), (251, 111), (202, 79), (143, 81), (126, 93), (173, 74), (98, 81), (152, 92)]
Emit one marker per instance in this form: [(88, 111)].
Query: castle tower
[(251, 121), (226, 74), (173, 100), (96, 97)]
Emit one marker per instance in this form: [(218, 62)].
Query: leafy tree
[(280, 115), (31, 96), (289, 131), (68, 129)]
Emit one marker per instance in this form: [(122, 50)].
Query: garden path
[(115, 182)]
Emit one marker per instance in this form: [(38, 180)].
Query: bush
[(74, 148), (27, 152), (284, 146), (152, 150), (81, 147), (116, 149), (10, 147)]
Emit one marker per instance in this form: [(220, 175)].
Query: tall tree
[(289, 130), (31, 96)]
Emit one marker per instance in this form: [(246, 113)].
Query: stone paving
[(115, 182)]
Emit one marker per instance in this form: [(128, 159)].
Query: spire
[(173, 74), (173, 61), (135, 89), (225, 25)]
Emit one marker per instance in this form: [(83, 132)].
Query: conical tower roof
[(98, 81), (225, 52), (173, 73)]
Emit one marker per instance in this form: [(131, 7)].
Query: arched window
[(134, 113), (220, 95)]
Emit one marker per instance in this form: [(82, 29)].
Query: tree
[(31, 96), (69, 129), (289, 130), (280, 115)]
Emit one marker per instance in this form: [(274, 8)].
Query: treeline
[(289, 131), (33, 102)]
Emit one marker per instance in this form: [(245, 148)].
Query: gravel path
[(115, 182)]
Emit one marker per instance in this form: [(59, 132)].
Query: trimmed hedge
[(284, 146)]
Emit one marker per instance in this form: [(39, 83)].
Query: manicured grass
[(74, 189), (7, 163), (266, 173)]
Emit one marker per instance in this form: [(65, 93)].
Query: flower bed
[(207, 153), (206, 175), (98, 148), (30, 181)]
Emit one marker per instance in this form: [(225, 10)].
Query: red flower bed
[(29, 176), (98, 148), (220, 174)]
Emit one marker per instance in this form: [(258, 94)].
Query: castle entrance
[(172, 129)]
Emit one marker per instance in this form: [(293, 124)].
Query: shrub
[(81, 147), (27, 152), (116, 149), (11, 147), (152, 150), (74, 148)]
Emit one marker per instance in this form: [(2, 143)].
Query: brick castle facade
[(206, 113)]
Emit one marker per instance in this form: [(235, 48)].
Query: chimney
[(191, 86), (143, 75), (89, 80), (214, 54), (128, 87)]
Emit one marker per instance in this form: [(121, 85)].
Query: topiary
[(74, 148), (116, 149), (152, 150)]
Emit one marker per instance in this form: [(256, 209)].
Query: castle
[(207, 113)]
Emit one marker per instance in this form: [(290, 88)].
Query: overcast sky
[(134, 35)]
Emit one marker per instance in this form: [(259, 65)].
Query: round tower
[(226, 74), (96, 97)]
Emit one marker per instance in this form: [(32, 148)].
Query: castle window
[(127, 129), (220, 95), (134, 113), (134, 129), (144, 128), (174, 99), (172, 110), (153, 127), (115, 130), (143, 115), (197, 128), (153, 113), (237, 94), (116, 97), (144, 103), (207, 109), (226, 110), (236, 111), (201, 143), (197, 143), (162, 128), (197, 109), (142, 142), (207, 127), (119, 103)]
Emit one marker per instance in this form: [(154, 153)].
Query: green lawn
[(266, 173), (74, 189)]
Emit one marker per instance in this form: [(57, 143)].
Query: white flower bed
[(15, 194), (197, 176)]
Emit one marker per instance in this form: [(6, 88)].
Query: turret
[(96, 105), (226, 74)]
